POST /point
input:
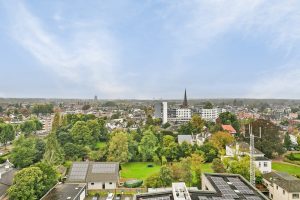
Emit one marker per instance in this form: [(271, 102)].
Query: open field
[(297, 155), (286, 167)]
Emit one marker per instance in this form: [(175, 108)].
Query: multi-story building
[(211, 114), (282, 186)]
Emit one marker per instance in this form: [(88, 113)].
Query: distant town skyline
[(150, 49)]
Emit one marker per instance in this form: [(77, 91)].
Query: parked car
[(110, 196), (118, 197)]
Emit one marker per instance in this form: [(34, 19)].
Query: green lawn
[(297, 155), (138, 170), (282, 167)]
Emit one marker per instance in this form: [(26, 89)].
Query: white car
[(110, 196)]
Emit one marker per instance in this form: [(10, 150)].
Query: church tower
[(185, 103)]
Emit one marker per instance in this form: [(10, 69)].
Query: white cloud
[(87, 57)]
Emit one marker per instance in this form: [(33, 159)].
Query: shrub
[(133, 183)]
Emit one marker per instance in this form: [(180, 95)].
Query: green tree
[(24, 152), (221, 139), (81, 134), (165, 176), (50, 176), (187, 175), (287, 143), (208, 105), (7, 133), (197, 124), (56, 122), (184, 150), (118, 148), (186, 129), (170, 147), (54, 154), (27, 184), (28, 127), (95, 129), (148, 146), (229, 119), (74, 151), (218, 166)]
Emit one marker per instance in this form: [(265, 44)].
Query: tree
[(28, 127), (7, 133), (270, 142), (187, 175), (42, 109), (186, 129), (287, 141), (148, 146), (229, 119), (170, 147), (210, 152), (220, 139), (95, 129), (86, 107), (24, 152), (50, 176), (81, 134), (40, 147), (118, 148), (56, 122), (184, 150), (54, 154), (165, 176), (27, 184), (218, 166), (153, 181), (197, 124), (74, 151), (208, 105)]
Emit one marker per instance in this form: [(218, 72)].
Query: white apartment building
[(282, 186), (183, 114), (211, 114)]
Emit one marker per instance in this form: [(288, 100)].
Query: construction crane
[(252, 152)]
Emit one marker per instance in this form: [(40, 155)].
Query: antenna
[(252, 149)]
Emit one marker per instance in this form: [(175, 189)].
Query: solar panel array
[(252, 198), (103, 168), (160, 198), (242, 187), (224, 188), (79, 171)]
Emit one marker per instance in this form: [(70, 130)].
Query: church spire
[(185, 103)]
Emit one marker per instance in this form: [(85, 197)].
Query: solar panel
[(103, 168), (78, 171), (253, 198), (242, 187)]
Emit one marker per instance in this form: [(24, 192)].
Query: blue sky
[(150, 49)]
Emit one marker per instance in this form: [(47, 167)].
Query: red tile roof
[(228, 128)]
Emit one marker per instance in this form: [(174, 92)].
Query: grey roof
[(82, 172), (185, 138), (263, 158), (64, 191), (244, 147), (283, 180)]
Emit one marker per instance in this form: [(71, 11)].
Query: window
[(283, 191), (110, 183), (277, 187), (265, 164), (271, 196), (92, 183), (259, 165), (295, 196)]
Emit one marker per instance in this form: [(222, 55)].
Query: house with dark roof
[(282, 186), (241, 149), (7, 172), (97, 175), (214, 187), (65, 191)]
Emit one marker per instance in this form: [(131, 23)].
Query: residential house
[(97, 175), (282, 186), (65, 191), (229, 129), (241, 149), (7, 172)]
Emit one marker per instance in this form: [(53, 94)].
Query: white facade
[(102, 185), (278, 193), (211, 114), (183, 114), (264, 166), (165, 112)]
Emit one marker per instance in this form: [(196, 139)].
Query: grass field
[(139, 170), (282, 167), (297, 155)]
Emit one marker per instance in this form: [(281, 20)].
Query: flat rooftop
[(221, 186), (64, 191)]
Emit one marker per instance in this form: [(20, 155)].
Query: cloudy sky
[(150, 48)]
